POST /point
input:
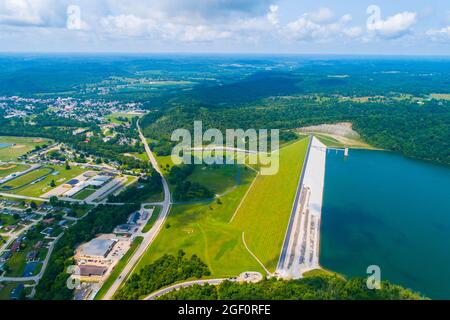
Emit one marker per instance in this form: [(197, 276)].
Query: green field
[(22, 181), (329, 141), (142, 156), (114, 117), (265, 212), (216, 178), (42, 187), (165, 163), (152, 219), (205, 230), (20, 146), (83, 194), (118, 268), (9, 168)]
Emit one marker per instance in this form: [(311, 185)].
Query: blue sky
[(408, 27)]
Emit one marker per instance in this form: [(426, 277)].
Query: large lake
[(383, 209)]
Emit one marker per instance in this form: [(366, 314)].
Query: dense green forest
[(415, 130), (101, 219), (164, 271), (312, 288)]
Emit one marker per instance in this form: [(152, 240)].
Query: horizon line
[(218, 53)]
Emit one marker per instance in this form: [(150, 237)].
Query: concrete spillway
[(300, 252)]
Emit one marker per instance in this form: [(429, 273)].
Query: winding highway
[(150, 236), (244, 277)]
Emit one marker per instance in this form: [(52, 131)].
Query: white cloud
[(322, 15), (31, 13), (272, 15), (439, 34), (202, 33), (127, 25), (313, 27), (394, 26)]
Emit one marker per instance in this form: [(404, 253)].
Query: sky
[(380, 27)]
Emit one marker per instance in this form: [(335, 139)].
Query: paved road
[(164, 291), (150, 236), (244, 277), (16, 196)]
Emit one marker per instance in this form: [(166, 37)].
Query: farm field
[(205, 230), (9, 168), (19, 146), (60, 176), (265, 212)]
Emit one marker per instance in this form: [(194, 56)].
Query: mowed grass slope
[(204, 230), (265, 212), (217, 178)]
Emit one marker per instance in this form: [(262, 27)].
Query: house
[(16, 246), (38, 245), (48, 221), (32, 255)]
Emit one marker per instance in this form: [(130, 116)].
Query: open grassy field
[(9, 168), (165, 163), (118, 268), (265, 212), (205, 230), (329, 141), (143, 156), (217, 178), (152, 219), (26, 179), (115, 117), (19, 146), (83, 194), (60, 176)]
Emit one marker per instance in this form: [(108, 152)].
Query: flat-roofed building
[(95, 252), (91, 273)]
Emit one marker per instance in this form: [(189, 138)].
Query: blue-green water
[(383, 209), (5, 145)]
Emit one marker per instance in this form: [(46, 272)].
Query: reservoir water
[(384, 209), (4, 145)]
